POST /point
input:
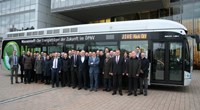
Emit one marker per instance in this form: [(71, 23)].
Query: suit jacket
[(65, 63), (83, 66), (39, 66), (47, 67), (28, 60), (74, 63), (133, 67), (101, 63), (107, 68), (11, 61), (144, 67), (94, 65), (117, 68), (58, 64), (21, 61)]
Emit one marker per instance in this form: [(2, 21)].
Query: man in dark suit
[(13, 60), (132, 71), (74, 69), (21, 63), (65, 75), (117, 71), (56, 69), (144, 74), (138, 54), (83, 70), (93, 63)]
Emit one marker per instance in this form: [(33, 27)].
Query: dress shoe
[(140, 93), (114, 93), (135, 94), (74, 87), (130, 94), (104, 89), (17, 82), (79, 88), (108, 90), (120, 93)]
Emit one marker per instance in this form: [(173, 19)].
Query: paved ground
[(43, 97)]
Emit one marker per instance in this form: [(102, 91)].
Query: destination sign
[(134, 36)]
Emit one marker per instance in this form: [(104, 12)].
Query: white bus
[(165, 43)]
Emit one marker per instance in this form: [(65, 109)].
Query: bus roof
[(137, 25)]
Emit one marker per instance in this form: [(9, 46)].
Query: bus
[(166, 44)]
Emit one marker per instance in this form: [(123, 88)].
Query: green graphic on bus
[(10, 46)]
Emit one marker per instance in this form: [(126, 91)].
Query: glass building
[(17, 15)]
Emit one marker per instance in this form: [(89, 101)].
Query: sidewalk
[(42, 97)]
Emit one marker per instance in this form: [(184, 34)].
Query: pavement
[(44, 97)]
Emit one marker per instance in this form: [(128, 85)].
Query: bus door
[(167, 63)]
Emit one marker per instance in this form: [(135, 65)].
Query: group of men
[(84, 69)]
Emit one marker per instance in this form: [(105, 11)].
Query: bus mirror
[(198, 42), (197, 38)]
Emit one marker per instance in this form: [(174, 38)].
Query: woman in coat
[(47, 69), (106, 70), (38, 68)]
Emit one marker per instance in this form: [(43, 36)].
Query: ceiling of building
[(106, 11)]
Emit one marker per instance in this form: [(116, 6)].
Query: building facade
[(186, 12), (17, 15)]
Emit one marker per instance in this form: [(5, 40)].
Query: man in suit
[(83, 70), (65, 75), (138, 52), (93, 63), (132, 71), (144, 74), (74, 69), (21, 63), (117, 71), (56, 69), (13, 60)]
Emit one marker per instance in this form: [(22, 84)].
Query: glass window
[(32, 24), (17, 3), (27, 25), (27, 15), (33, 1), (175, 62), (22, 17), (102, 45), (80, 47), (27, 2), (32, 16), (158, 63), (71, 2), (131, 45)]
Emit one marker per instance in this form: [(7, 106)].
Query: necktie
[(117, 60), (74, 58), (15, 60), (56, 62)]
